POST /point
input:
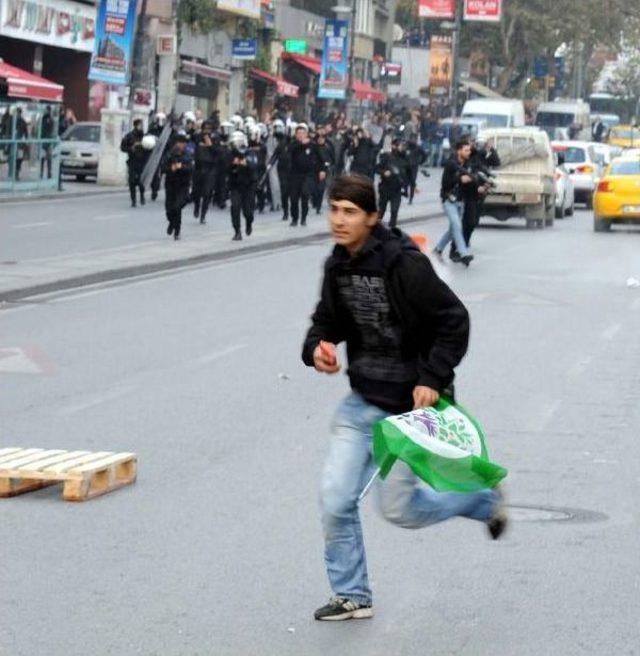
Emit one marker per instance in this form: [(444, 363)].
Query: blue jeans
[(401, 498), (454, 212)]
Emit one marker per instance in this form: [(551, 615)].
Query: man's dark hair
[(357, 189), (461, 144), (137, 122)]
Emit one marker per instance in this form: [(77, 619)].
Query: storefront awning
[(480, 89), (310, 63), (212, 72), (362, 91), (283, 87), (21, 84)]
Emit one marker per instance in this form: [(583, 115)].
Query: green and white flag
[(443, 445)]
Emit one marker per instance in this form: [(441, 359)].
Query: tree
[(625, 79)]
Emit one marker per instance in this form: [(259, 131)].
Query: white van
[(565, 119), (496, 112)]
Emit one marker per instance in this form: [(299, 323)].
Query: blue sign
[(334, 76), (115, 27), (244, 48)]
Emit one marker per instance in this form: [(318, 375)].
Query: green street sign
[(298, 46)]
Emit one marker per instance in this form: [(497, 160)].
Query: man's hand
[(424, 397), (325, 358), (387, 174), (322, 175), (466, 179)]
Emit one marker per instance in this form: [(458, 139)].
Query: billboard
[(483, 10), (334, 75), (438, 9), (441, 64), (249, 8), (111, 59), (391, 72)]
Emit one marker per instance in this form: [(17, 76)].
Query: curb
[(123, 273), (59, 195)]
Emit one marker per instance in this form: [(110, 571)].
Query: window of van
[(555, 119), (493, 120)]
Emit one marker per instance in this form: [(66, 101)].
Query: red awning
[(28, 85), (213, 72), (310, 63), (362, 90), (283, 87), (367, 92)]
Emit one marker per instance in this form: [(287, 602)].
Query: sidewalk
[(70, 189), (23, 279)]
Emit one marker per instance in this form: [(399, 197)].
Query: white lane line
[(96, 399), (610, 332), (580, 367), (32, 225), (109, 217), (216, 355)]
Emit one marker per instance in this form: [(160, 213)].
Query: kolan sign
[(489, 11)]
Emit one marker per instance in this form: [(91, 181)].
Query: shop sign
[(489, 11), (62, 23), (297, 46), (437, 9), (249, 8), (166, 44), (391, 72)]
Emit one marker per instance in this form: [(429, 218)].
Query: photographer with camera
[(456, 178), (483, 158), (395, 175)]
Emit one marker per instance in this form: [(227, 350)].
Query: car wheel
[(560, 211), (81, 178), (589, 202), (601, 225)]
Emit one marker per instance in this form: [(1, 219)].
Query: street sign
[(540, 67), (489, 11), (297, 46), (166, 44), (244, 48), (437, 9)]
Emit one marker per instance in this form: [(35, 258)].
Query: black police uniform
[(241, 176), (391, 186), (176, 188), (305, 165), (132, 145)]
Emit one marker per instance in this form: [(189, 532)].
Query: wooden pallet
[(85, 474)]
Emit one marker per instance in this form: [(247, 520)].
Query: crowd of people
[(278, 164)]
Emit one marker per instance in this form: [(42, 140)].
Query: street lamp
[(349, 9)]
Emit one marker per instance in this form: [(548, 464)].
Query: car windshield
[(554, 119), (572, 154), (83, 133), (492, 120), (625, 168)]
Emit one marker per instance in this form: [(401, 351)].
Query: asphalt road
[(217, 549), (33, 229)]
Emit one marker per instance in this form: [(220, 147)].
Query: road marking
[(108, 217), (21, 360), (580, 367), (216, 355), (610, 332), (32, 225), (96, 399), (547, 413)]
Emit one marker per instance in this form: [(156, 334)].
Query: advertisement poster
[(334, 75), (441, 66), (391, 72), (439, 9), (115, 29), (489, 11)]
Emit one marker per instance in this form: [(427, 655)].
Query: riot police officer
[(395, 176)]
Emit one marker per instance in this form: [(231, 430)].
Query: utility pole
[(352, 44), (455, 74)]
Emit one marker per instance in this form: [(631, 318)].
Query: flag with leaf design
[(443, 445)]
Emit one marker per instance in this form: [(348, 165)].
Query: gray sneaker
[(498, 522), (343, 609)]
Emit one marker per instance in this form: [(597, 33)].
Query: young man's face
[(465, 152), (301, 135), (350, 224)]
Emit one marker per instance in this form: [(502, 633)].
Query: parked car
[(565, 196), (581, 162), (524, 183), (617, 197), (80, 150)]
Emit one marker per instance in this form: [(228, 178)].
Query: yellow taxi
[(617, 196), (624, 136)]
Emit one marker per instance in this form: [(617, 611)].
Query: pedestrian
[(328, 158), (393, 169), (155, 128), (306, 164), (415, 157), (363, 152), (241, 174), (598, 130), (21, 135), (46, 133), (177, 169), (137, 157), (405, 332), (455, 176)]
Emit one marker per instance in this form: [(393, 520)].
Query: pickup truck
[(524, 183)]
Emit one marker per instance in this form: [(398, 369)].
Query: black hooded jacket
[(403, 326)]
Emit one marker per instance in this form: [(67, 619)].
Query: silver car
[(80, 150)]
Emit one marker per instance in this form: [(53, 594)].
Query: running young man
[(405, 332)]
